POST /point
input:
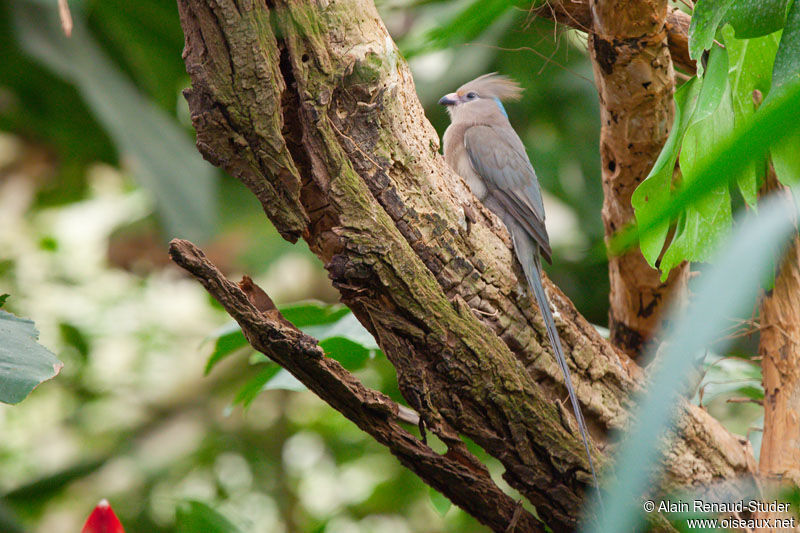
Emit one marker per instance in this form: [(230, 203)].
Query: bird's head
[(481, 98)]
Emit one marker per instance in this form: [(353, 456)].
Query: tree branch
[(315, 111), (577, 14), (461, 477), (779, 348)]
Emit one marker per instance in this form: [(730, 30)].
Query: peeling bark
[(779, 348), (635, 81), (312, 107)]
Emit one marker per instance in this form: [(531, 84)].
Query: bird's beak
[(449, 99)]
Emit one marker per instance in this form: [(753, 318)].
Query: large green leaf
[(198, 517), (654, 192), (786, 155), (704, 222), (159, 153), (754, 18), (706, 18), (24, 363), (750, 69), (726, 289)]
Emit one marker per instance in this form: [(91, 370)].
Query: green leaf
[(145, 39), (352, 355), (347, 327), (160, 154), (707, 220), (74, 337), (312, 313), (24, 363), (654, 192), (229, 339), (729, 287), (754, 18), (750, 69), (706, 18), (785, 155), (345, 340), (786, 160), (38, 492), (439, 501), (3, 298), (786, 71), (256, 384), (284, 380), (197, 517)]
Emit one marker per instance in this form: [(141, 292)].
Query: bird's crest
[(493, 85)]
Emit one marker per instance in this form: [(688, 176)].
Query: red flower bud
[(102, 520)]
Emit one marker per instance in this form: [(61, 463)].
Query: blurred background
[(95, 137)]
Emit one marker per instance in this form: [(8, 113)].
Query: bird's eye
[(472, 96)]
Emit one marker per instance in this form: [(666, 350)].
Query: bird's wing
[(498, 156)]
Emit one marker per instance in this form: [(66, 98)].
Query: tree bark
[(312, 107), (578, 15), (635, 80), (461, 477), (779, 348)]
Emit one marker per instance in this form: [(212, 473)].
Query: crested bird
[(483, 148)]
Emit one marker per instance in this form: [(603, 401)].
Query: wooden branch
[(315, 111), (461, 477), (577, 14), (779, 348)]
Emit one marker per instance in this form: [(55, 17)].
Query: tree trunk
[(779, 348), (635, 80), (312, 107)]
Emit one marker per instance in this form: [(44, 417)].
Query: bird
[(481, 146)]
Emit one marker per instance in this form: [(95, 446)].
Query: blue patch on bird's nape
[(500, 105)]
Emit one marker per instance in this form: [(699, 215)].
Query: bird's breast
[(456, 156)]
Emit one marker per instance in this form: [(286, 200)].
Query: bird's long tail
[(555, 342), (528, 255)]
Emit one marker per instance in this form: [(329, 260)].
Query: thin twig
[(65, 16)]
